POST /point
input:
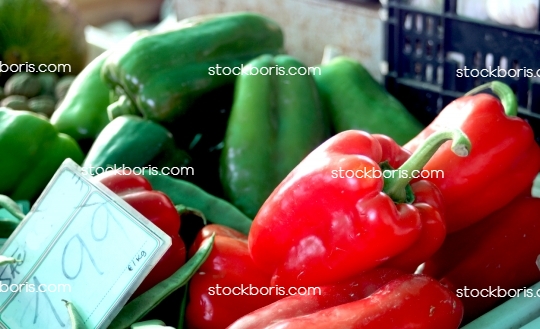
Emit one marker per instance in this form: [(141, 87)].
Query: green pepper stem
[(503, 91), (395, 185), (12, 207), (121, 107)]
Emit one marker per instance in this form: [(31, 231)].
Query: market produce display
[(306, 181)]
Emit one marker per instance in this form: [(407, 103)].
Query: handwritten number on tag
[(83, 248), (101, 212), (37, 295)]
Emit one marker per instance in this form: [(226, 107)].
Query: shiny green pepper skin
[(276, 120), (354, 100), (83, 112), (132, 141), (31, 151), (161, 74)]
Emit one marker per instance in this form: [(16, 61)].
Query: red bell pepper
[(157, 208), (228, 266), (327, 296), (501, 251), (317, 228), (405, 301), (503, 163)]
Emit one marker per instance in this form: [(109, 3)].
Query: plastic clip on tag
[(82, 243)]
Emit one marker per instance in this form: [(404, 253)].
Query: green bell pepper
[(132, 141), (159, 75), (31, 150), (83, 112), (275, 121), (354, 100)]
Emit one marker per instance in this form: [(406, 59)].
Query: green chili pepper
[(77, 321), (216, 210), (143, 304), (82, 114)]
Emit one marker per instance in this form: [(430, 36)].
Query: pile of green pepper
[(155, 101)]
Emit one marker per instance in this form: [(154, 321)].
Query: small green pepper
[(31, 150), (82, 113)]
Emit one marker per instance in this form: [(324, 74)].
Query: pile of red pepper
[(383, 248)]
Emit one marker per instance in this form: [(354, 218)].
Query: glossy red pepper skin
[(316, 230), (228, 265), (501, 250), (328, 296), (503, 162), (428, 201), (410, 301), (157, 208)]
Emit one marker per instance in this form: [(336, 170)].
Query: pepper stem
[(12, 207), (121, 107), (395, 185), (503, 91)]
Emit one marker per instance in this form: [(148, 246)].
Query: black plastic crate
[(423, 50)]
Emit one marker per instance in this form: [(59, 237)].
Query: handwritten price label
[(79, 242)]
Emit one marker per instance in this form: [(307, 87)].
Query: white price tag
[(79, 242)]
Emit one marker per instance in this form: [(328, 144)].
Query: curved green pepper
[(132, 141), (354, 100), (215, 210), (31, 151), (161, 74), (83, 112), (276, 120)]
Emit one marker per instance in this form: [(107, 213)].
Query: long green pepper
[(159, 75), (276, 120)]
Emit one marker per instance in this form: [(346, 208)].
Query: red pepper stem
[(11, 207), (395, 184), (503, 91)]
